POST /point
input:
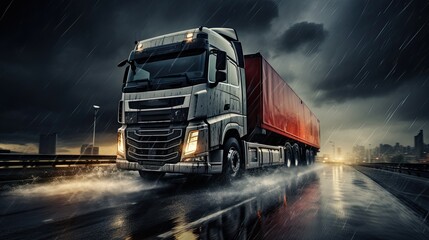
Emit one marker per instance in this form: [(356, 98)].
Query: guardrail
[(416, 169), (11, 160)]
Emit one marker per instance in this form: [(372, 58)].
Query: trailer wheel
[(288, 156), (232, 162), (311, 157), (307, 157), (151, 176)]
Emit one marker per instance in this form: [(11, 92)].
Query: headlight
[(121, 143), (191, 143)]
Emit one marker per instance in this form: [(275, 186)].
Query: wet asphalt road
[(317, 202)]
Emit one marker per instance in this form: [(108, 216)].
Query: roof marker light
[(140, 46), (189, 36)]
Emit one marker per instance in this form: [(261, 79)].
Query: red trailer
[(272, 105)]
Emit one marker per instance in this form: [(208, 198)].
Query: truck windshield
[(167, 71)]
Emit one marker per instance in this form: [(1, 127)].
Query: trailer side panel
[(274, 106)]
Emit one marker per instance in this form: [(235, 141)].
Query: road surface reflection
[(316, 202)]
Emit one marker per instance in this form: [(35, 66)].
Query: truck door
[(224, 101)]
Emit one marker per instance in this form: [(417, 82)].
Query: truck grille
[(155, 146), (167, 115)]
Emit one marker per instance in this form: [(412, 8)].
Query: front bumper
[(180, 167)]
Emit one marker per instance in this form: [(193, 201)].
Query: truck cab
[(183, 98)]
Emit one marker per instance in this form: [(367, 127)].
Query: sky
[(362, 66)]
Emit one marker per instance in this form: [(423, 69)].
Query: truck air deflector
[(228, 33)]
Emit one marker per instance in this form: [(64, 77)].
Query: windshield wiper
[(137, 85), (140, 80)]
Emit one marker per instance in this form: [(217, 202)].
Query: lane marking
[(201, 220)]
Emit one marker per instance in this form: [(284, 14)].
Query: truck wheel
[(307, 158), (151, 176), (311, 157), (296, 156), (232, 162), (288, 156)]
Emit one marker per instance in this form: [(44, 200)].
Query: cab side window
[(232, 74)]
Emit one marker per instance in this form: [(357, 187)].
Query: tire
[(151, 176), (311, 157), (296, 156), (232, 165), (288, 156), (307, 158)]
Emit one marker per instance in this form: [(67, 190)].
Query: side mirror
[(221, 61), (221, 66), (220, 76), (124, 79)]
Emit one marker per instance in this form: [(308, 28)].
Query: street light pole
[(96, 108), (369, 153)]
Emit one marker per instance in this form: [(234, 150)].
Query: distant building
[(419, 146), (385, 149), (408, 150), (398, 148), (48, 143), (88, 149), (359, 153)]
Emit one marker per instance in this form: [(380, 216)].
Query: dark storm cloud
[(59, 58), (304, 35), (414, 97), (254, 16), (49, 68), (376, 48)]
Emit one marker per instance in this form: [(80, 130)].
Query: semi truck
[(193, 103)]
